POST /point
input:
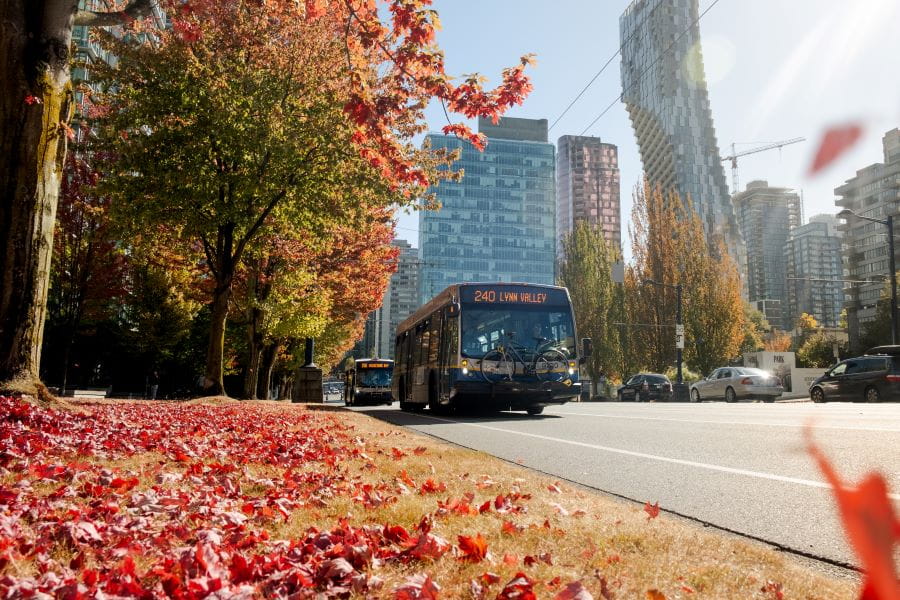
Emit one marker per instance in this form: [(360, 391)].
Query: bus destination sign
[(374, 365), (516, 295), (509, 296)]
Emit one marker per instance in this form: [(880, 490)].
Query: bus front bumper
[(516, 394)]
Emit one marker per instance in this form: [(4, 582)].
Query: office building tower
[(814, 271), (400, 301), (498, 222), (587, 187), (875, 193), (664, 90), (766, 215)]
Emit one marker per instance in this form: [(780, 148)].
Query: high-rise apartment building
[(499, 222), (875, 193), (587, 187), (664, 90), (814, 271), (766, 215), (401, 299)]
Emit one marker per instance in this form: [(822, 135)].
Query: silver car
[(735, 383)]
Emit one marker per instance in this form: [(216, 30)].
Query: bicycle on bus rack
[(500, 364)]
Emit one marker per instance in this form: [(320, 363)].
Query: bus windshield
[(373, 377), (525, 328)]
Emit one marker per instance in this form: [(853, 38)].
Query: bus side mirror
[(587, 347), (453, 309)]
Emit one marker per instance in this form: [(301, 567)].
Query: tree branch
[(136, 9)]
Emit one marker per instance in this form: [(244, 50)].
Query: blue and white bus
[(504, 346)]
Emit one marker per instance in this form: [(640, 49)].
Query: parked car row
[(873, 377)]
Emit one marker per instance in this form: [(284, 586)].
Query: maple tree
[(88, 268)]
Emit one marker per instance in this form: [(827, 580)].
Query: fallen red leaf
[(655, 595), (870, 525), (473, 548), (417, 587), (519, 588), (652, 510), (574, 591)]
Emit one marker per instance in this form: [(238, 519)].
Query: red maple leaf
[(417, 587), (835, 142), (574, 591), (652, 510), (870, 524), (473, 549), (519, 588)]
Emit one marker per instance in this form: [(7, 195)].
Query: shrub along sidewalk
[(261, 499)]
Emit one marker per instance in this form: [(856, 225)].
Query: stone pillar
[(308, 385), (308, 379)]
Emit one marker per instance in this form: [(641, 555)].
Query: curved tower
[(664, 91)]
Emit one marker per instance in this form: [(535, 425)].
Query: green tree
[(755, 329), (816, 351), (585, 268)]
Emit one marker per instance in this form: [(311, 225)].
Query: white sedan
[(735, 383)]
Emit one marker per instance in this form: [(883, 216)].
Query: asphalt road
[(741, 467)]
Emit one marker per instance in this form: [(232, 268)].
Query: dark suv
[(873, 377), (645, 387)]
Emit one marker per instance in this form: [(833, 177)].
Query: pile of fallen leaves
[(80, 518)]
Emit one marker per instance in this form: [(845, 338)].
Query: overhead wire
[(650, 66)]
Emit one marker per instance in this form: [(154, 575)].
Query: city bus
[(502, 346), (368, 381)]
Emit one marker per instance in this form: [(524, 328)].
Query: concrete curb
[(794, 400)]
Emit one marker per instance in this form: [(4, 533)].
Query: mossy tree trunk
[(35, 107)]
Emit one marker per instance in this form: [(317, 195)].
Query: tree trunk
[(35, 107), (267, 364), (215, 354), (254, 350)]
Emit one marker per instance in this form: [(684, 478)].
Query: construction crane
[(734, 156)]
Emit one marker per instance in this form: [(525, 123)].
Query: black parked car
[(874, 377), (644, 387)]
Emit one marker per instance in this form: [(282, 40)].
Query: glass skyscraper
[(498, 222), (664, 90)]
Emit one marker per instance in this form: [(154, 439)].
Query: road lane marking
[(667, 459), (704, 421)]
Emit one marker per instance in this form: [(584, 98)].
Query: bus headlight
[(465, 364), (465, 371), (571, 367)]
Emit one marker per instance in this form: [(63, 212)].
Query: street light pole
[(895, 334), (678, 350), (889, 223)]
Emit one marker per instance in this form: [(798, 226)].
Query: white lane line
[(677, 461), (714, 422)]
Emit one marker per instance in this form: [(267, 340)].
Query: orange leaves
[(835, 142), (652, 510), (472, 548), (430, 487), (655, 595), (869, 522)]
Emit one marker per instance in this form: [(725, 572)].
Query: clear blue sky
[(776, 69)]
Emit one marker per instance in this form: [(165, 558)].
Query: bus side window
[(448, 340), (398, 354), (435, 330), (425, 337)]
